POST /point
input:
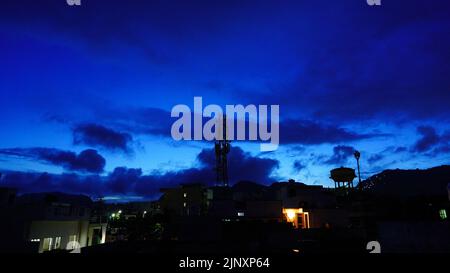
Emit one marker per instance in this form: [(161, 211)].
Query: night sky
[(86, 92)]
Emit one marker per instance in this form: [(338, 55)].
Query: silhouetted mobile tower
[(222, 148)]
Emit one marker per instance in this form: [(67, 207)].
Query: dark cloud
[(400, 150), (392, 57), (375, 158), (131, 181), (298, 165), (100, 136), (393, 70), (311, 132), (87, 161), (431, 142), (142, 27), (122, 179), (242, 165), (158, 122), (341, 153), (429, 138), (149, 120)]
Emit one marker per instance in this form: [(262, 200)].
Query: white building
[(59, 221)]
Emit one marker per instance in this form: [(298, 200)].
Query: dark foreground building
[(49, 221)]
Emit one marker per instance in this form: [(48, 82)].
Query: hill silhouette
[(409, 183)]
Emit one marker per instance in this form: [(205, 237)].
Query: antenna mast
[(222, 148)]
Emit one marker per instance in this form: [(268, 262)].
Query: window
[(241, 214), (184, 195), (72, 244), (443, 214), (47, 244), (184, 204), (57, 242)]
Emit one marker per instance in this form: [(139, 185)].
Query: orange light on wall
[(306, 215), (293, 216)]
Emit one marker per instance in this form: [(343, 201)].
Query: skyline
[(87, 90)]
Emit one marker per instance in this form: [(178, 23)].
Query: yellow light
[(290, 215), (296, 250)]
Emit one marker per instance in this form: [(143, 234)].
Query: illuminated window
[(241, 214), (291, 214), (184, 195), (57, 242), (184, 204), (296, 216), (443, 214), (47, 245), (72, 238)]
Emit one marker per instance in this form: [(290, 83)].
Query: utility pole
[(357, 155)]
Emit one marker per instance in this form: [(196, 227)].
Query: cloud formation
[(341, 153), (242, 165), (86, 161), (311, 132), (103, 137), (431, 141), (298, 165), (131, 181)]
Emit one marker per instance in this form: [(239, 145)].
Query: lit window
[(443, 214), (241, 214), (47, 245), (292, 213), (184, 195), (184, 204), (73, 244), (72, 238), (57, 242)]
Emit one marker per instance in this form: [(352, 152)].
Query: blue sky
[(87, 91)]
